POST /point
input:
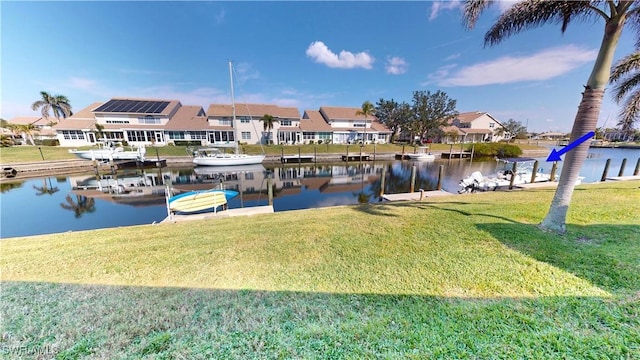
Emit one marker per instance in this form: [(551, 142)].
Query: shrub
[(48, 142), (501, 150), (319, 142), (187, 143)]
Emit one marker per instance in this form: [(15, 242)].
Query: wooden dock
[(415, 196), (355, 157), (248, 211), (456, 155), (297, 159)]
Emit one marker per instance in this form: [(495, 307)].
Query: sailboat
[(227, 154)]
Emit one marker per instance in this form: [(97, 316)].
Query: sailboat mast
[(233, 104)]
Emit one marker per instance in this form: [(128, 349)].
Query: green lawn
[(467, 276)]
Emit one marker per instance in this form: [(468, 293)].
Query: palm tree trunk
[(586, 120)]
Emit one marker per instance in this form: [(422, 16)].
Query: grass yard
[(25, 153), (468, 276)]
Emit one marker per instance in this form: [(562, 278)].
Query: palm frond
[(472, 11), (629, 63), (633, 19), (626, 86), (529, 14), (630, 112)]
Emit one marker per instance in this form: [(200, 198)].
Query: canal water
[(67, 203)]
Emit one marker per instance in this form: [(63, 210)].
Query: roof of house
[(254, 110), (186, 118), (477, 131), (83, 119), (343, 113), (26, 120), (467, 117), (312, 120), (447, 129)]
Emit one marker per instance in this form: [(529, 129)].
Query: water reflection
[(46, 188), (80, 206), (137, 196)]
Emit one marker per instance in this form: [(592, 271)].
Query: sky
[(303, 54)]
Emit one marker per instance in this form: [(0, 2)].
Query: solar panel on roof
[(133, 106)]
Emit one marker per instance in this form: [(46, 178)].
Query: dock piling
[(382, 180), (513, 175), (534, 172), (440, 171), (413, 178), (554, 167), (637, 170), (622, 166), (270, 189), (606, 170)]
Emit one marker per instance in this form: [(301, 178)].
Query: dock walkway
[(248, 211), (415, 196)]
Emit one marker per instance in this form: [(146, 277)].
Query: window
[(73, 134), (382, 136), (198, 135), (285, 122), (244, 119), (176, 135), (308, 135), (324, 135), (249, 176), (358, 124), (246, 135), (117, 121), (140, 136), (149, 120), (492, 125), (225, 122)]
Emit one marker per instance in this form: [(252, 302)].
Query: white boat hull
[(228, 160), (421, 157), (109, 154)]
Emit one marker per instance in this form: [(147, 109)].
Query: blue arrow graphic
[(555, 155)]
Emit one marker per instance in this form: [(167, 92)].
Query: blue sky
[(302, 54)]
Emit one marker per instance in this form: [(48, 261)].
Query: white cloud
[(219, 17), (82, 83), (396, 65), (320, 53), (543, 65), (452, 57), (245, 71), (437, 6)]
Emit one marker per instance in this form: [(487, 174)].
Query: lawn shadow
[(606, 255), (45, 320)]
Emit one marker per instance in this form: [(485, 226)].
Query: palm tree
[(268, 121), (367, 110), (58, 103), (25, 131), (626, 73), (527, 14)]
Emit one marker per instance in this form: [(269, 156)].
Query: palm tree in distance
[(268, 121), (626, 73), (367, 110), (58, 103), (528, 14)]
